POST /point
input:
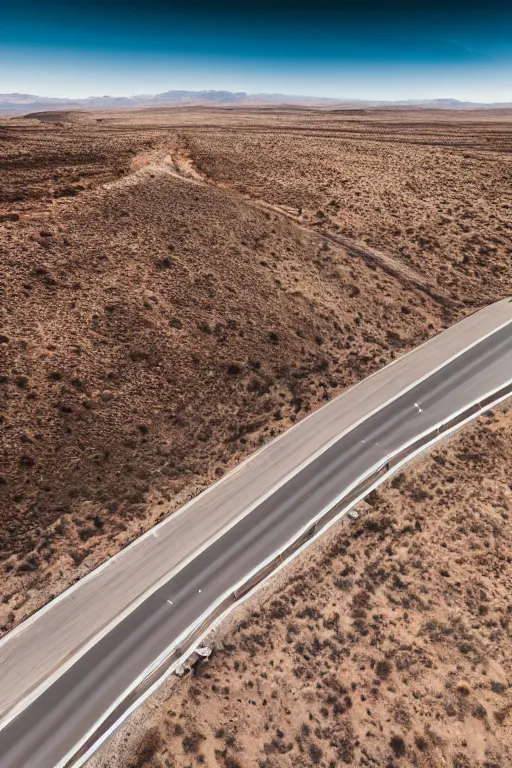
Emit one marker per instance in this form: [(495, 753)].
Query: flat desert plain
[(179, 286)]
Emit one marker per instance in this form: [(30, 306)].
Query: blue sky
[(368, 49)]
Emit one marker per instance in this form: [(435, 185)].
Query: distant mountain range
[(22, 103)]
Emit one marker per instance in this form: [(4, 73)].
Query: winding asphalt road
[(51, 715)]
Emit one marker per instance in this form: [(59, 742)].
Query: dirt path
[(180, 164)]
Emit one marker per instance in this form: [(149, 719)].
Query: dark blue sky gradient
[(368, 49)]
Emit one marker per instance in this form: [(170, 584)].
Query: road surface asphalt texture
[(60, 717)]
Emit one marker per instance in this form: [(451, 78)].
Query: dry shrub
[(148, 746)]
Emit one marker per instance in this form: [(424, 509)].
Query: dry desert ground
[(180, 285)]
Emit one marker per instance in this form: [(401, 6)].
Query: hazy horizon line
[(244, 94)]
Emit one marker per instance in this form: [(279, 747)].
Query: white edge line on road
[(215, 623), (19, 706)]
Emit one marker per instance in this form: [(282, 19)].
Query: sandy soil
[(385, 644), (177, 288)]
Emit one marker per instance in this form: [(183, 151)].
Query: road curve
[(66, 667)]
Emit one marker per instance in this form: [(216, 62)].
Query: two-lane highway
[(49, 728)]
